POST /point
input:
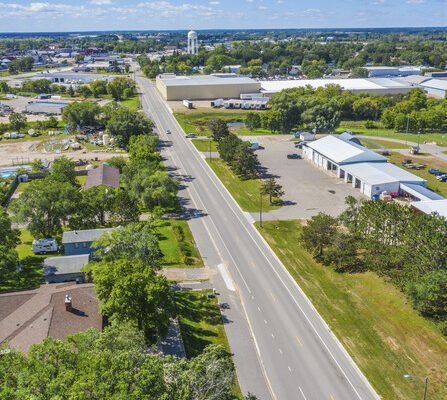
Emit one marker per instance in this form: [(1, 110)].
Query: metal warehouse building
[(378, 86), (209, 87), (45, 107), (365, 169)]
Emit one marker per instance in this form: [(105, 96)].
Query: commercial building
[(383, 72), (73, 78), (45, 107), (435, 87), (432, 207), (378, 86), (365, 169), (208, 87)]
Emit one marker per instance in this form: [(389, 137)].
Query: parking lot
[(308, 190)]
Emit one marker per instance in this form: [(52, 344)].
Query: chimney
[(68, 305)]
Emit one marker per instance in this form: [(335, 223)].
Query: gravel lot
[(308, 190)]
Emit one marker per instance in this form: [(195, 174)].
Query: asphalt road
[(299, 356)]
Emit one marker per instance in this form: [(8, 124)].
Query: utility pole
[(210, 140), (406, 135), (424, 378), (260, 208)]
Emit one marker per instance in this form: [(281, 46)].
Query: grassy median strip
[(203, 145), (201, 323), (373, 320), (246, 193)]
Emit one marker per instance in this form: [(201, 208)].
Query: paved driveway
[(308, 190)]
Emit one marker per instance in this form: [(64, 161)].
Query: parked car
[(168, 132), (293, 156), (191, 135), (299, 145), (433, 171)]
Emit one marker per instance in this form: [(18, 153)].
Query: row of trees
[(234, 151), (323, 109), (145, 178), (119, 88), (113, 364), (8, 241), (391, 240)]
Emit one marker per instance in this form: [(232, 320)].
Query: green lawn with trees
[(245, 192), (177, 244), (203, 145), (370, 316)]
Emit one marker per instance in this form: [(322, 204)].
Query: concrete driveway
[(308, 190)]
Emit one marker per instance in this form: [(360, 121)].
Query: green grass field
[(195, 121), (358, 127), (201, 324), (432, 182), (177, 252), (203, 145), (372, 319), (133, 103), (378, 144), (246, 193)]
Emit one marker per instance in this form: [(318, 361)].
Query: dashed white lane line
[(290, 369), (302, 393), (226, 277), (273, 336), (265, 321), (280, 351)]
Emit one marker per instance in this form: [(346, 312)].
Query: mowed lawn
[(203, 145), (358, 127), (246, 193), (133, 103), (430, 162), (201, 324), (373, 320), (378, 144), (195, 121), (178, 245)]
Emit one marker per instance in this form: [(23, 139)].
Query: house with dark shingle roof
[(103, 175)]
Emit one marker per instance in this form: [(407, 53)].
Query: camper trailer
[(43, 246)]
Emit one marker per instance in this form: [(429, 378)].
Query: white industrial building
[(365, 169), (436, 206), (435, 87), (205, 87), (379, 86), (383, 72)]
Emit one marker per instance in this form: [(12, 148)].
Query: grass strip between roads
[(246, 193), (201, 323), (372, 319)]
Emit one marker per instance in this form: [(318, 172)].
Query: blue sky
[(79, 15)]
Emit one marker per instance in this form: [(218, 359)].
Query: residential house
[(80, 242)]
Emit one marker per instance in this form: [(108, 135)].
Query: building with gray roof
[(103, 175), (65, 268), (80, 242)]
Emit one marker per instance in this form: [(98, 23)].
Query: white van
[(43, 246)]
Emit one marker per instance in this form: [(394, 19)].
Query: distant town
[(224, 214)]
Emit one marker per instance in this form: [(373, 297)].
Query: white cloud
[(14, 9), (167, 9), (100, 2), (415, 1)]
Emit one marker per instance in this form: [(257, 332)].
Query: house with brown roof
[(103, 175)]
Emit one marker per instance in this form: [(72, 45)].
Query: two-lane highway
[(299, 356)]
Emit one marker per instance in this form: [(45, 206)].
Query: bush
[(370, 125)]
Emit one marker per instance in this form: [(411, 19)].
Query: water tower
[(193, 42)]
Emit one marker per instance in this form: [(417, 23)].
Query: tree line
[(113, 364), (233, 150), (391, 240), (322, 109)]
